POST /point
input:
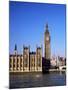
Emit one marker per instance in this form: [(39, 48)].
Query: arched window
[(17, 63), (13, 63), (21, 63)]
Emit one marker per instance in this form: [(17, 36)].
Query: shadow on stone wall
[(45, 65)]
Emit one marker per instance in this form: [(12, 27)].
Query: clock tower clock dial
[(47, 38), (47, 43)]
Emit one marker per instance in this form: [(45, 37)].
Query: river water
[(37, 80)]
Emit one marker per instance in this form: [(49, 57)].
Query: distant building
[(53, 61), (61, 61), (58, 61)]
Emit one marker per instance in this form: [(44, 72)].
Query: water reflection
[(37, 76), (37, 80)]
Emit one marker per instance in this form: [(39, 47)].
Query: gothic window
[(17, 63), (21, 62), (14, 60), (14, 63), (10, 63)]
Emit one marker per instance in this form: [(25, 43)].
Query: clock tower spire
[(47, 43)]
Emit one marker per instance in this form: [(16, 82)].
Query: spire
[(46, 28), (15, 47)]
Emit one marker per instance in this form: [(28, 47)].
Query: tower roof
[(46, 28)]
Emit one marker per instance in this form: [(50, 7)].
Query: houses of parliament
[(30, 61)]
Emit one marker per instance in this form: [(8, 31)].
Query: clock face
[(47, 38)]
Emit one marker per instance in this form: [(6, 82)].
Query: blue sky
[(27, 26)]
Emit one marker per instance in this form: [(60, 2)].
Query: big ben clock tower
[(47, 43)]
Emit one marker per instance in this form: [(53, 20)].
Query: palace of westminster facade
[(30, 61)]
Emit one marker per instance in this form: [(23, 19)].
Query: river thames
[(28, 80)]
